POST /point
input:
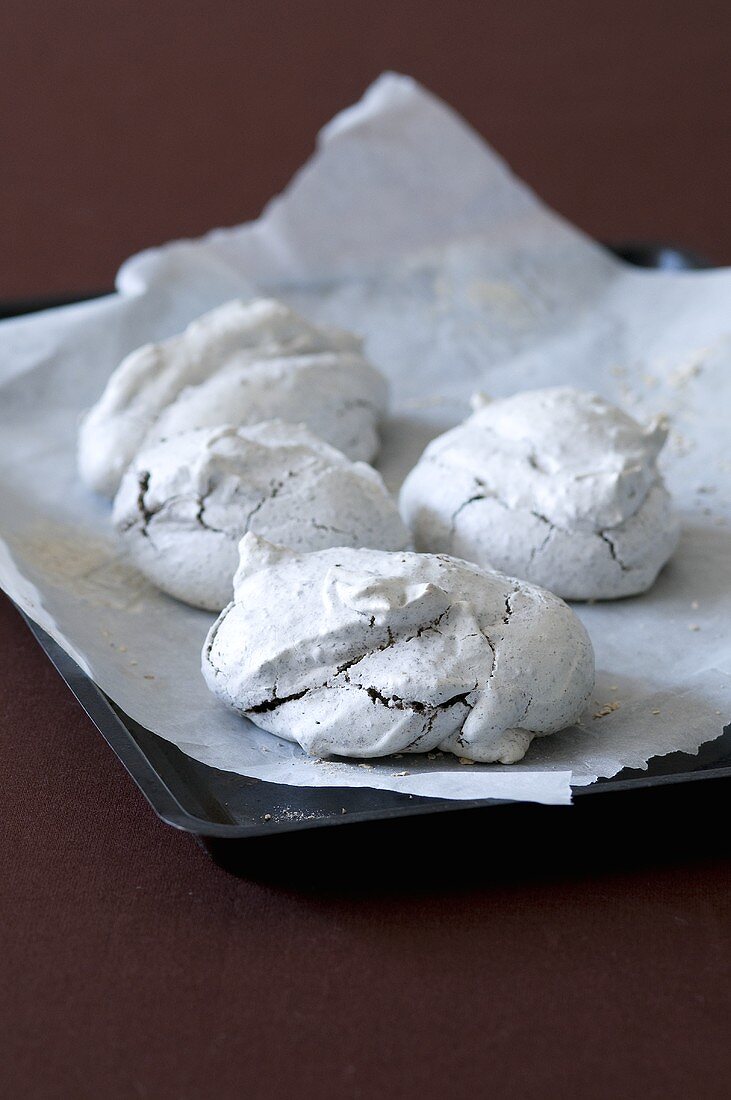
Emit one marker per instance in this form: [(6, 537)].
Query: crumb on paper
[(148, 676), (502, 298), (608, 708), (464, 760), (680, 443), (655, 710), (693, 626), (688, 370), (366, 766)]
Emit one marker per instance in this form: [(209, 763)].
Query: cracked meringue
[(557, 486), (364, 653), (185, 503), (242, 363)]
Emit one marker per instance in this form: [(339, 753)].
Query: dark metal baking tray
[(222, 809)]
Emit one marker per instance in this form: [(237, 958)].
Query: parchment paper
[(407, 228)]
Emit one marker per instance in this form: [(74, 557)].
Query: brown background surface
[(540, 953)]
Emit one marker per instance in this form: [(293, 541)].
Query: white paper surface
[(407, 228)]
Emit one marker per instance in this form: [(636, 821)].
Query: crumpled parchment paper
[(404, 226)]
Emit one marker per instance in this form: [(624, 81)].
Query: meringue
[(557, 486), (185, 503), (241, 363), (363, 653)]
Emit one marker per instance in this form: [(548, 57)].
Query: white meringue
[(557, 486), (364, 653), (241, 363), (185, 503)]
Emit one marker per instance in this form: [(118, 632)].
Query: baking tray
[(222, 810)]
